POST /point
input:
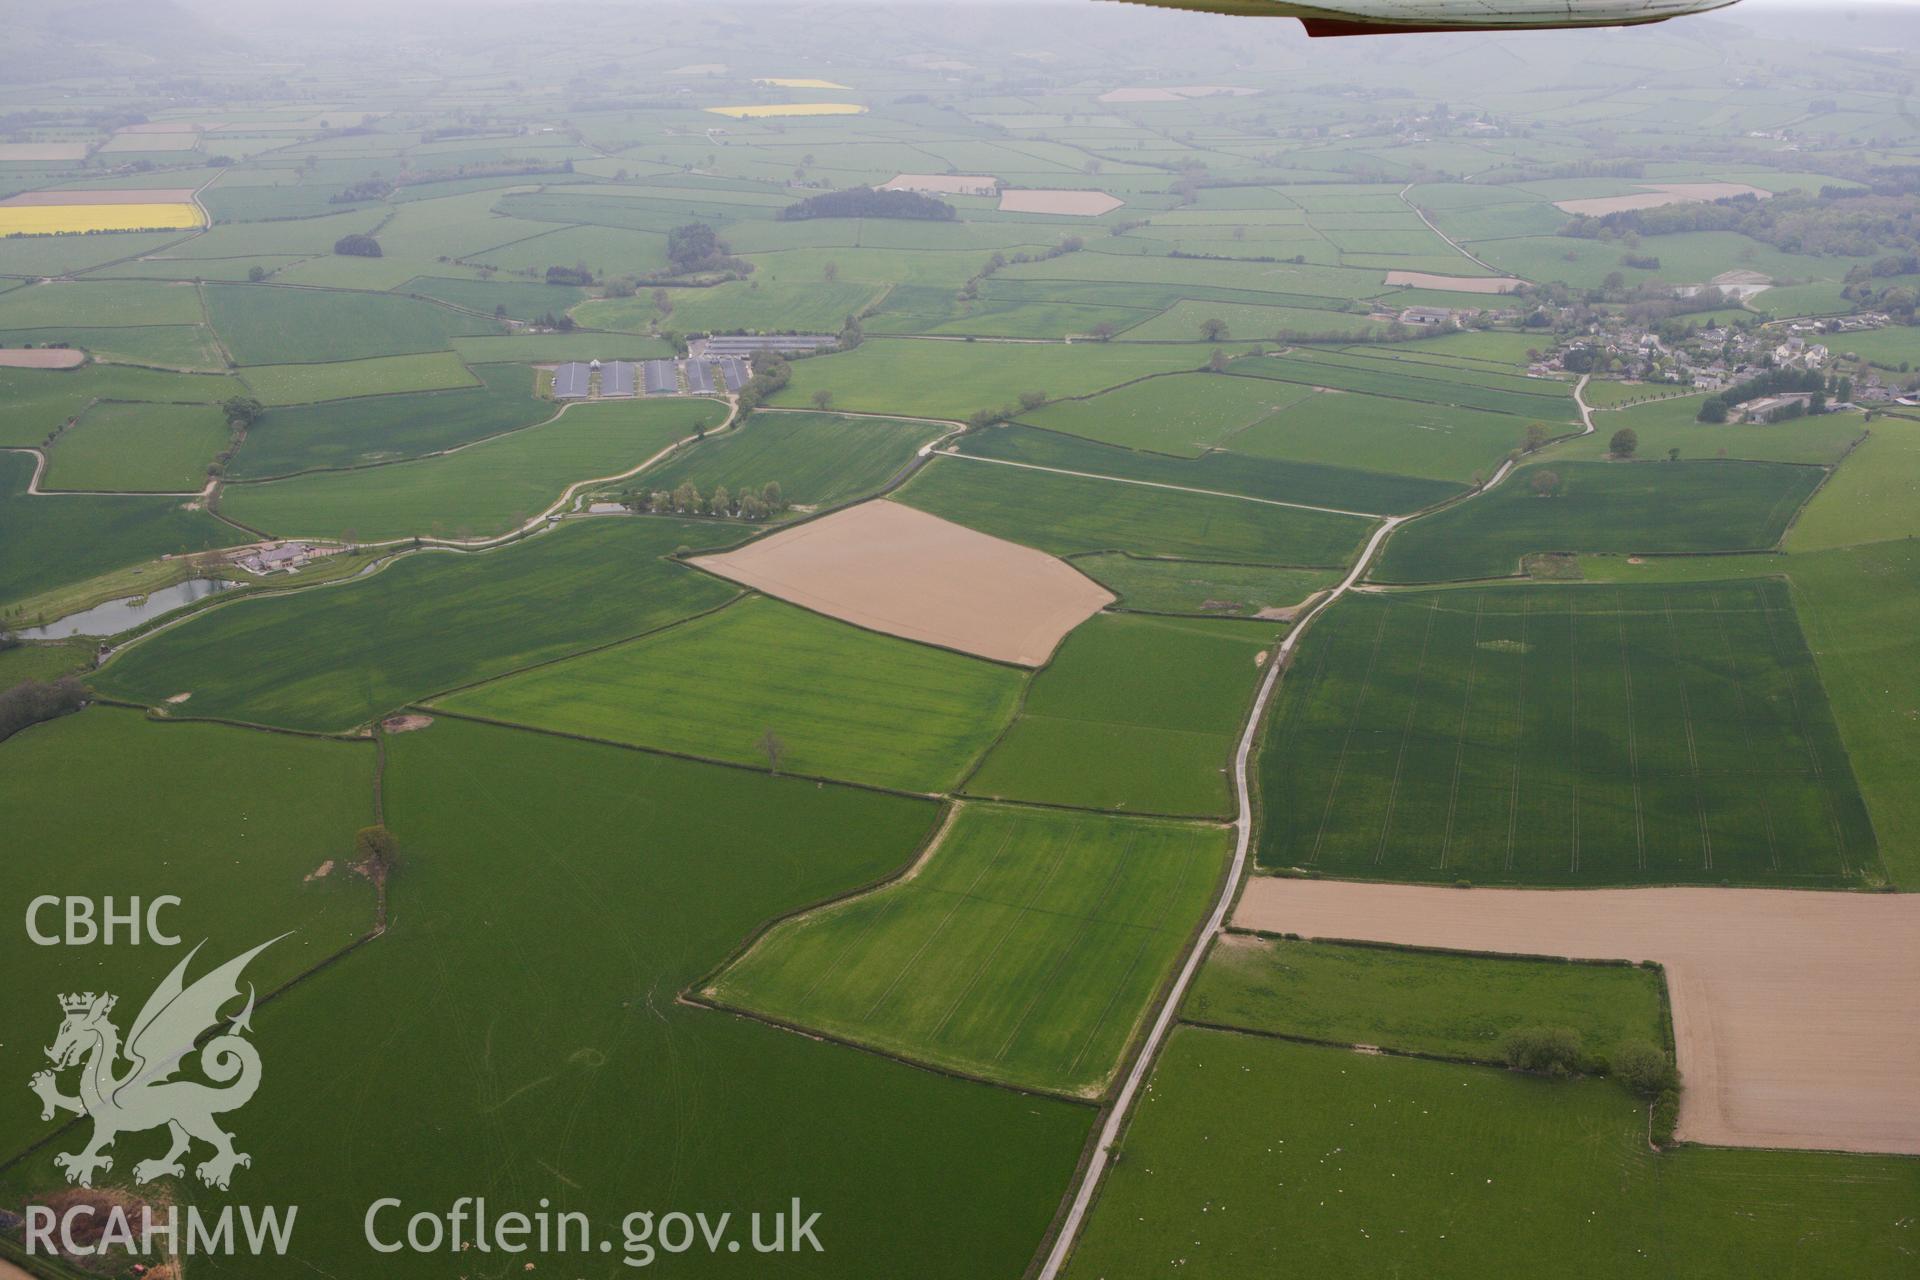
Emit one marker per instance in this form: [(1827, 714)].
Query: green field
[(1024, 949), (1674, 424), (51, 541), (518, 1058), (1651, 507), (138, 448), (1431, 441), (333, 657), (806, 306), (169, 346), (34, 403), (1182, 322), (1451, 1005), (1563, 735), (1430, 383), (817, 459), (1253, 1154), (351, 433), (844, 703), (517, 299), (232, 822), (1345, 488), (1873, 497), (1183, 414), (74, 302), (1134, 714), (947, 379), (488, 488), (1064, 514), (261, 324), (1200, 587), (43, 661), (284, 384)]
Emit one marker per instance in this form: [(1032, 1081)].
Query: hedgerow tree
[(1549, 1051), (1624, 442), (1644, 1068), (1545, 483)]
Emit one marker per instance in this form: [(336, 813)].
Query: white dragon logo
[(145, 1096)]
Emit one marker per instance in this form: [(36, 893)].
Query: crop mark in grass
[(1346, 744), (1746, 727), (1633, 746), (1406, 733), (1573, 735), (1073, 945), (1460, 743), (1693, 755), (1147, 936), (1519, 734), (933, 936), (1013, 922), (1792, 672)]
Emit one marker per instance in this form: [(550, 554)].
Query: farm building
[(1767, 408), (1428, 316), (662, 378), (749, 344), (570, 381), (617, 378)]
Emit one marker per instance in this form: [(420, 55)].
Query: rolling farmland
[(804, 613)]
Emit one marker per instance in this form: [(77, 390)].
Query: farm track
[(1165, 1016), (1421, 214)]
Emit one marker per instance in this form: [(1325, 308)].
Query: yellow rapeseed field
[(791, 109), (58, 219), (788, 82)]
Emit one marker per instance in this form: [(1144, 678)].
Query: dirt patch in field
[(1796, 1014), (1454, 284), (406, 723), (134, 195), (1077, 204), (320, 872), (945, 184), (179, 698), (1656, 194), (41, 358), (26, 152), (892, 568)]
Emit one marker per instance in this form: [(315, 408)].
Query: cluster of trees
[(995, 261), (574, 275), (1641, 1065), (696, 247), (32, 701), (869, 202), (368, 189), (1898, 300), (1842, 223), (378, 188), (241, 413), (1029, 401), (771, 373), (747, 504), (1772, 383), (1562, 172), (564, 323), (357, 246)]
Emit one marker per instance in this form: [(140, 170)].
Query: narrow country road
[(1117, 1116)]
